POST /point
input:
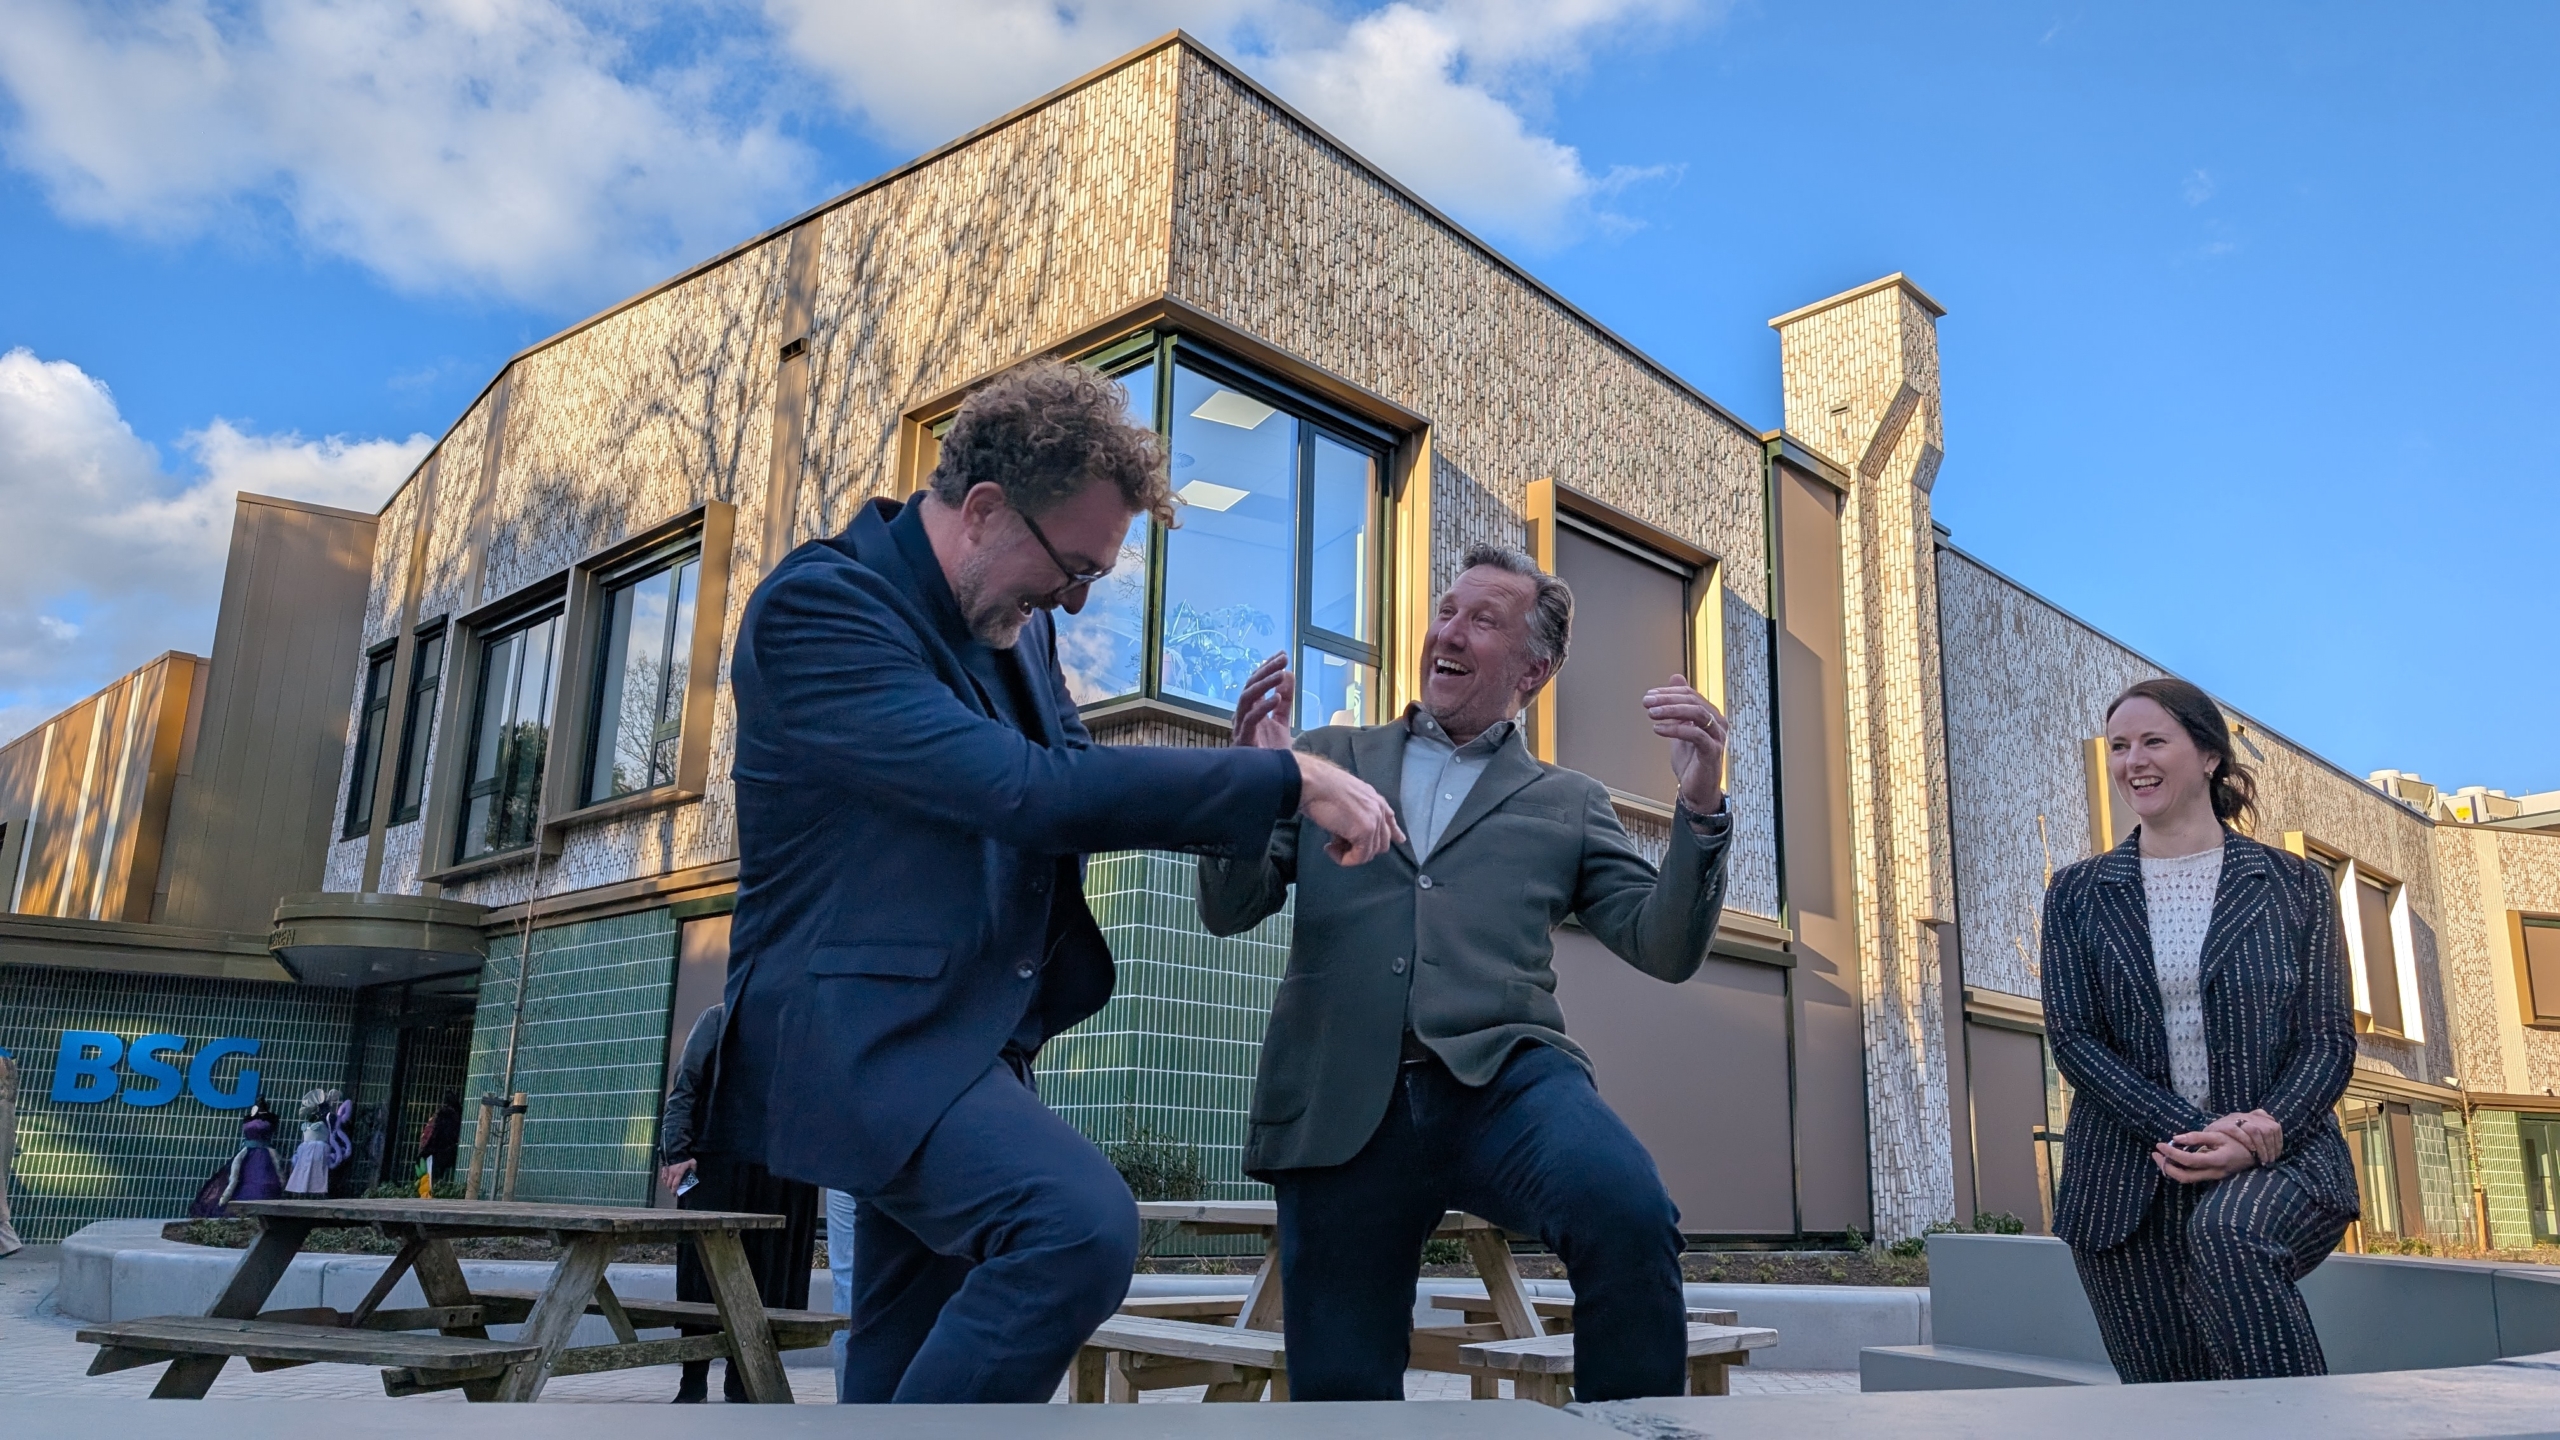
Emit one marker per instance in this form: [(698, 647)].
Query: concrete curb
[(125, 1269)]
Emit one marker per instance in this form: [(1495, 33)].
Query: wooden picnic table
[(1514, 1318), (461, 1355)]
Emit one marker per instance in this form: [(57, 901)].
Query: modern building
[(518, 858)]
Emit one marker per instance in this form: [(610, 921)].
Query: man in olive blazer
[(1416, 1059)]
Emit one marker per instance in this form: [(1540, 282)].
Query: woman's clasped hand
[(2222, 1149)]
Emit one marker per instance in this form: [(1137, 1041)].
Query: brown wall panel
[(253, 819), (2007, 1071), (1630, 633), (1813, 758), (1699, 1072)]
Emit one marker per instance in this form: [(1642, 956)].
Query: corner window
[(2374, 909), (1276, 550), (510, 733), (368, 766), (426, 676), (2541, 964), (638, 719)]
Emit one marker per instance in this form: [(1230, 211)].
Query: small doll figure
[(250, 1173), (311, 1160)]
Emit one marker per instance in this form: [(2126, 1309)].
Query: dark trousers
[(2204, 1288), (1536, 1152), (779, 1259), (980, 1269)]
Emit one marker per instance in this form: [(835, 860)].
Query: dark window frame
[(685, 550), (372, 718), (426, 684), (474, 713)]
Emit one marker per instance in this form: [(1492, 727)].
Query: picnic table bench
[(1234, 1346), (460, 1354)]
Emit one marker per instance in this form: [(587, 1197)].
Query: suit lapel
[(2243, 892), (2131, 944), (1511, 768), (869, 542), (1377, 756)]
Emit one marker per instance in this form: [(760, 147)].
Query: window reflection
[(640, 710), (1346, 484), (1103, 649), (1229, 577), (1332, 690), (513, 730)]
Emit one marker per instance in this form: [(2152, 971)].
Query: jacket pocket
[(893, 960)]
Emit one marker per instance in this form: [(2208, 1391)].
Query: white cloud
[(507, 146), (564, 151), (2197, 188), (1438, 92), (108, 558)]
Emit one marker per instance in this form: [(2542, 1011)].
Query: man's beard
[(995, 622)]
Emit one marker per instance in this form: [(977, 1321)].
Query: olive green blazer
[(1465, 942)]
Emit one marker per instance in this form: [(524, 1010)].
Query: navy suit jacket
[(910, 885), (2279, 1028)]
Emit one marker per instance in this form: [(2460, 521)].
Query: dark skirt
[(780, 1259), (259, 1180)]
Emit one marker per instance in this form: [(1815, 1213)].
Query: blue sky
[(2247, 356)]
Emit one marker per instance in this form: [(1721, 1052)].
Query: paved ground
[(38, 1356)]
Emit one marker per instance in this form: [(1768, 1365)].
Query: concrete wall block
[(2528, 1299), (2393, 1313), (2017, 1293)]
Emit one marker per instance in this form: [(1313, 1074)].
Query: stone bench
[(1542, 1369), (2008, 1311)]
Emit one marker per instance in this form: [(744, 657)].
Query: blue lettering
[(244, 1090), (83, 1079), (143, 1062)]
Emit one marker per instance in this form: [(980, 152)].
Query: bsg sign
[(156, 1068)]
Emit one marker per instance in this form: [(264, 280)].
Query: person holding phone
[(703, 1173), (2196, 996)]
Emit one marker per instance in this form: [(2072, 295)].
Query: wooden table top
[(1231, 1217), (508, 1215)]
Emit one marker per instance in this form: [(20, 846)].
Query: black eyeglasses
[(1074, 576)]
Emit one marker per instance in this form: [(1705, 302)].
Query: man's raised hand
[(1262, 711), (1696, 731)]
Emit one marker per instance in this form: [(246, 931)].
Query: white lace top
[(2179, 894)]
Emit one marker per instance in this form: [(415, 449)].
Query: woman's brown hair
[(2235, 788)]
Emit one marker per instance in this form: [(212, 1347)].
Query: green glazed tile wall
[(1174, 1051), (2502, 1176), (592, 1057), (109, 1160)]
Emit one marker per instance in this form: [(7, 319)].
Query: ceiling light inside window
[(1208, 495), (1229, 408)]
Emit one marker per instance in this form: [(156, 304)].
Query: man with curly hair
[(915, 797)]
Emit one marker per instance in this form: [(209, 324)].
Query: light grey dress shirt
[(1438, 775)]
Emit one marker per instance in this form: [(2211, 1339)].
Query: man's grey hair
[(1550, 617)]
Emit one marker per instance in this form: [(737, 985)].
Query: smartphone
[(687, 1183)]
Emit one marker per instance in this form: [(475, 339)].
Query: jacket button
[(1023, 969), (1426, 882), (1396, 965)]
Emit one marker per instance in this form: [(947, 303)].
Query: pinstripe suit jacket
[(2279, 1028)]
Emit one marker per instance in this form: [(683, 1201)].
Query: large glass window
[(1276, 550), (510, 731), (640, 682), (377, 712), (426, 676)]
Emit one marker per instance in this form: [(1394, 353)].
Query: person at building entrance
[(915, 793), (1416, 1060), (2196, 995), (704, 1173)]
